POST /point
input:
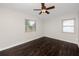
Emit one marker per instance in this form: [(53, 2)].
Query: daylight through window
[(68, 26)]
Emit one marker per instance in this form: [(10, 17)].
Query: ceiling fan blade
[(36, 9), (50, 7), (40, 12), (47, 12)]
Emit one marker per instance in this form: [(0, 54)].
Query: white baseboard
[(1, 49)]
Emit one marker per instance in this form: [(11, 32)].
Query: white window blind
[(68, 25)]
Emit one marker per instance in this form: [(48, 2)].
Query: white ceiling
[(27, 8)]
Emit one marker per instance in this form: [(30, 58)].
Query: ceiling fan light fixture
[(43, 10)]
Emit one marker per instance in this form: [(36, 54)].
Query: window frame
[(67, 26), (35, 25)]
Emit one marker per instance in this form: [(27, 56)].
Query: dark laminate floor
[(43, 47)]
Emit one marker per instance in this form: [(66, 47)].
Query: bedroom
[(47, 27)]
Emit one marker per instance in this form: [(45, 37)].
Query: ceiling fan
[(44, 9)]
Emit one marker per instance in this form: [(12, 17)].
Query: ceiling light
[(43, 10)]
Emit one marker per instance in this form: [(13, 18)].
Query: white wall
[(53, 28), (12, 28), (78, 29)]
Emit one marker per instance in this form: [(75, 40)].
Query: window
[(30, 26), (68, 26)]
